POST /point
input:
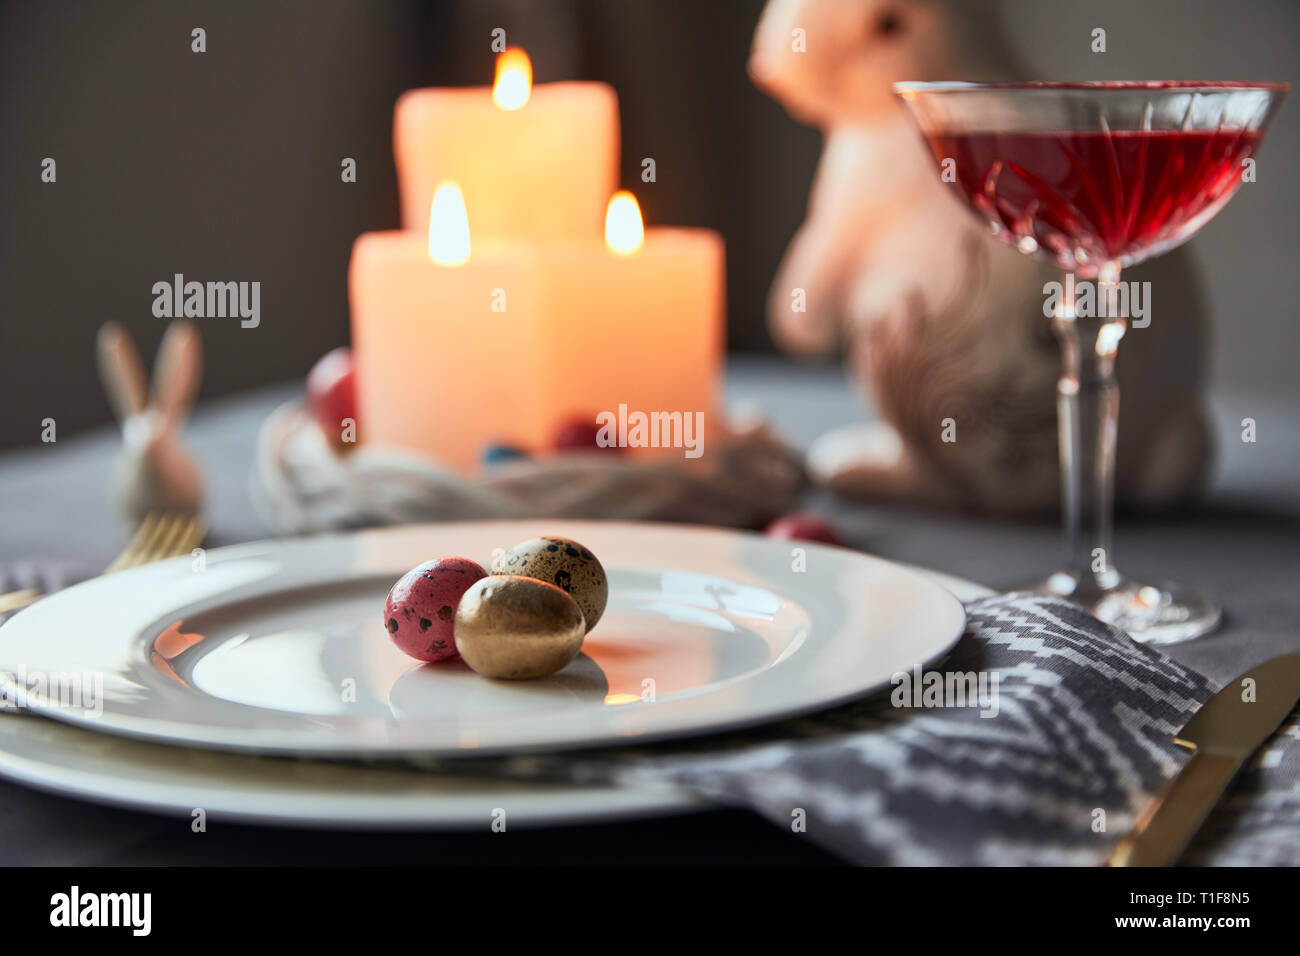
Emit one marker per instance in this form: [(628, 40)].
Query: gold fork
[(159, 537)]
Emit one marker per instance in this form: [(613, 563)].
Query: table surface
[(1242, 544)]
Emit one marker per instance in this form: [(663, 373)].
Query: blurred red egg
[(580, 434), (331, 392), (802, 527)]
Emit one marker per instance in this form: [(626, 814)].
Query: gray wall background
[(225, 166)]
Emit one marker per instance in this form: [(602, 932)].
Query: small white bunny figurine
[(154, 472)]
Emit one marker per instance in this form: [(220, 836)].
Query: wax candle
[(643, 326), (531, 161), (438, 371), (462, 342)]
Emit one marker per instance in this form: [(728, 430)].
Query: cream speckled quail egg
[(517, 628), (566, 564)]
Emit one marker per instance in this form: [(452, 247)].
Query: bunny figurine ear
[(177, 371), (121, 371)]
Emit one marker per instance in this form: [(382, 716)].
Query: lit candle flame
[(448, 227), (514, 82), (624, 231)]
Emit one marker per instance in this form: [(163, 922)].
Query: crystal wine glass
[(1096, 177)]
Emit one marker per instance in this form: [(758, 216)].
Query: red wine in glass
[(1097, 177), (1087, 197)]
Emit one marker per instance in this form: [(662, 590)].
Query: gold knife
[(1222, 735)]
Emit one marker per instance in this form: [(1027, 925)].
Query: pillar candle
[(543, 170), (642, 329), (438, 372), (523, 337)]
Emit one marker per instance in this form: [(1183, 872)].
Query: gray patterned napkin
[(1078, 746)]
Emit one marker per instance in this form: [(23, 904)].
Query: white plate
[(308, 793), (79, 763), (279, 647)]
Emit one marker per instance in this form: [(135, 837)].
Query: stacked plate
[(186, 683)]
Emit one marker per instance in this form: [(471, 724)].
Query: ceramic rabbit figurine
[(940, 320), (154, 472)]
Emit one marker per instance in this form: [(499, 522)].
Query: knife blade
[(1222, 735)]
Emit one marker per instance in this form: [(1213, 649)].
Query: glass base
[(1151, 614)]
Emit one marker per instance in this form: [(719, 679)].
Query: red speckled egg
[(420, 613), (803, 527)]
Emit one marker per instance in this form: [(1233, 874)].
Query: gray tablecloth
[(55, 507)]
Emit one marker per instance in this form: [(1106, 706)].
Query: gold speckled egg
[(517, 628), (564, 563)]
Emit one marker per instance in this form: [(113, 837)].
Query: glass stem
[(1087, 403)]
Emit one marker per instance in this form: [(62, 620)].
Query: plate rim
[(537, 804)]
